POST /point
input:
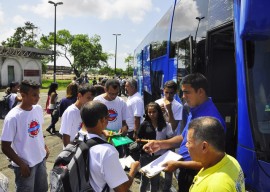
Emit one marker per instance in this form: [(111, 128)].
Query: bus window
[(259, 91)]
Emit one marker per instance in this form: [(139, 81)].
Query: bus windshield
[(259, 86)]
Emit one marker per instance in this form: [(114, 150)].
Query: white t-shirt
[(135, 108), (105, 167), (165, 133), (24, 130), (117, 110), (177, 109), (71, 122)]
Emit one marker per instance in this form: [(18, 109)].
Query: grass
[(62, 84)]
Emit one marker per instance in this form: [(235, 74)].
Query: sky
[(133, 19)]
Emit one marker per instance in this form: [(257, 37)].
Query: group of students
[(201, 143)]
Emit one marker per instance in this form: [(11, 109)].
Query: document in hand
[(126, 161), (155, 167)]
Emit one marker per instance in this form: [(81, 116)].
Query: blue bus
[(229, 42)]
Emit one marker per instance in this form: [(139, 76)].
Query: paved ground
[(54, 144)]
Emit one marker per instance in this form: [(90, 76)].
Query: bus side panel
[(256, 180), (246, 155)]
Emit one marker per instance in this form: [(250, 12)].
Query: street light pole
[(115, 52), (199, 20), (54, 57)]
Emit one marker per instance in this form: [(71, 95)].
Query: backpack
[(71, 172), (4, 106)]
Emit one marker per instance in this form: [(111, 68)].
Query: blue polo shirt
[(208, 108)]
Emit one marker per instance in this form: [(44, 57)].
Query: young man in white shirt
[(71, 122), (135, 108), (104, 164), (23, 142), (117, 108), (171, 108), (172, 112)]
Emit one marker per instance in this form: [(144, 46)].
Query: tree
[(86, 52), (106, 70), (129, 61), (23, 36)]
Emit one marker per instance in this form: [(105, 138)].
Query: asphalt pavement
[(55, 146)]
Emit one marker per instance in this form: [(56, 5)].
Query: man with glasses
[(117, 109)]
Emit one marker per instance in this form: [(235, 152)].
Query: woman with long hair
[(51, 104), (154, 127)]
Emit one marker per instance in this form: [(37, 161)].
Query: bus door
[(221, 75)]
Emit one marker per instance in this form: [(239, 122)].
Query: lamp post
[(54, 58), (199, 20), (115, 52)]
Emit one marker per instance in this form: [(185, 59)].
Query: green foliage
[(106, 70), (62, 84), (129, 70), (86, 51), (23, 36)]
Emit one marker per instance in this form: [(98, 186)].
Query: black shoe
[(49, 130), (54, 131)]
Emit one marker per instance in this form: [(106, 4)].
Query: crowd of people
[(196, 131)]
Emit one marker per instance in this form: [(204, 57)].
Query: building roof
[(24, 52)]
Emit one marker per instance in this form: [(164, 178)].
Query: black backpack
[(70, 172), (4, 106)]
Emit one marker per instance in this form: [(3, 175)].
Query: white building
[(17, 64)]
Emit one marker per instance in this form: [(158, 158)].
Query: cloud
[(2, 21), (187, 21), (6, 33), (18, 20), (102, 9)]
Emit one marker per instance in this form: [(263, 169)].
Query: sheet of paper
[(156, 167), (126, 161)]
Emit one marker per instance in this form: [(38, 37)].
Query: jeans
[(53, 122), (167, 182), (185, 179), (154, 181), (37, 181)]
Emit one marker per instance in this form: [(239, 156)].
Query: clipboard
[(155, 167)]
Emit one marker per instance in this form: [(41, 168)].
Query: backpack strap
[(90, 143)]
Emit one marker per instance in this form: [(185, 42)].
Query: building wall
[(24, 68)]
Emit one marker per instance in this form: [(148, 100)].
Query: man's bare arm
[(66, 139), (125, 186), (155, 145), (10, 153)]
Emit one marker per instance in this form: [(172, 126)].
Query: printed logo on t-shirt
[(112, 115), (34, 129)]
